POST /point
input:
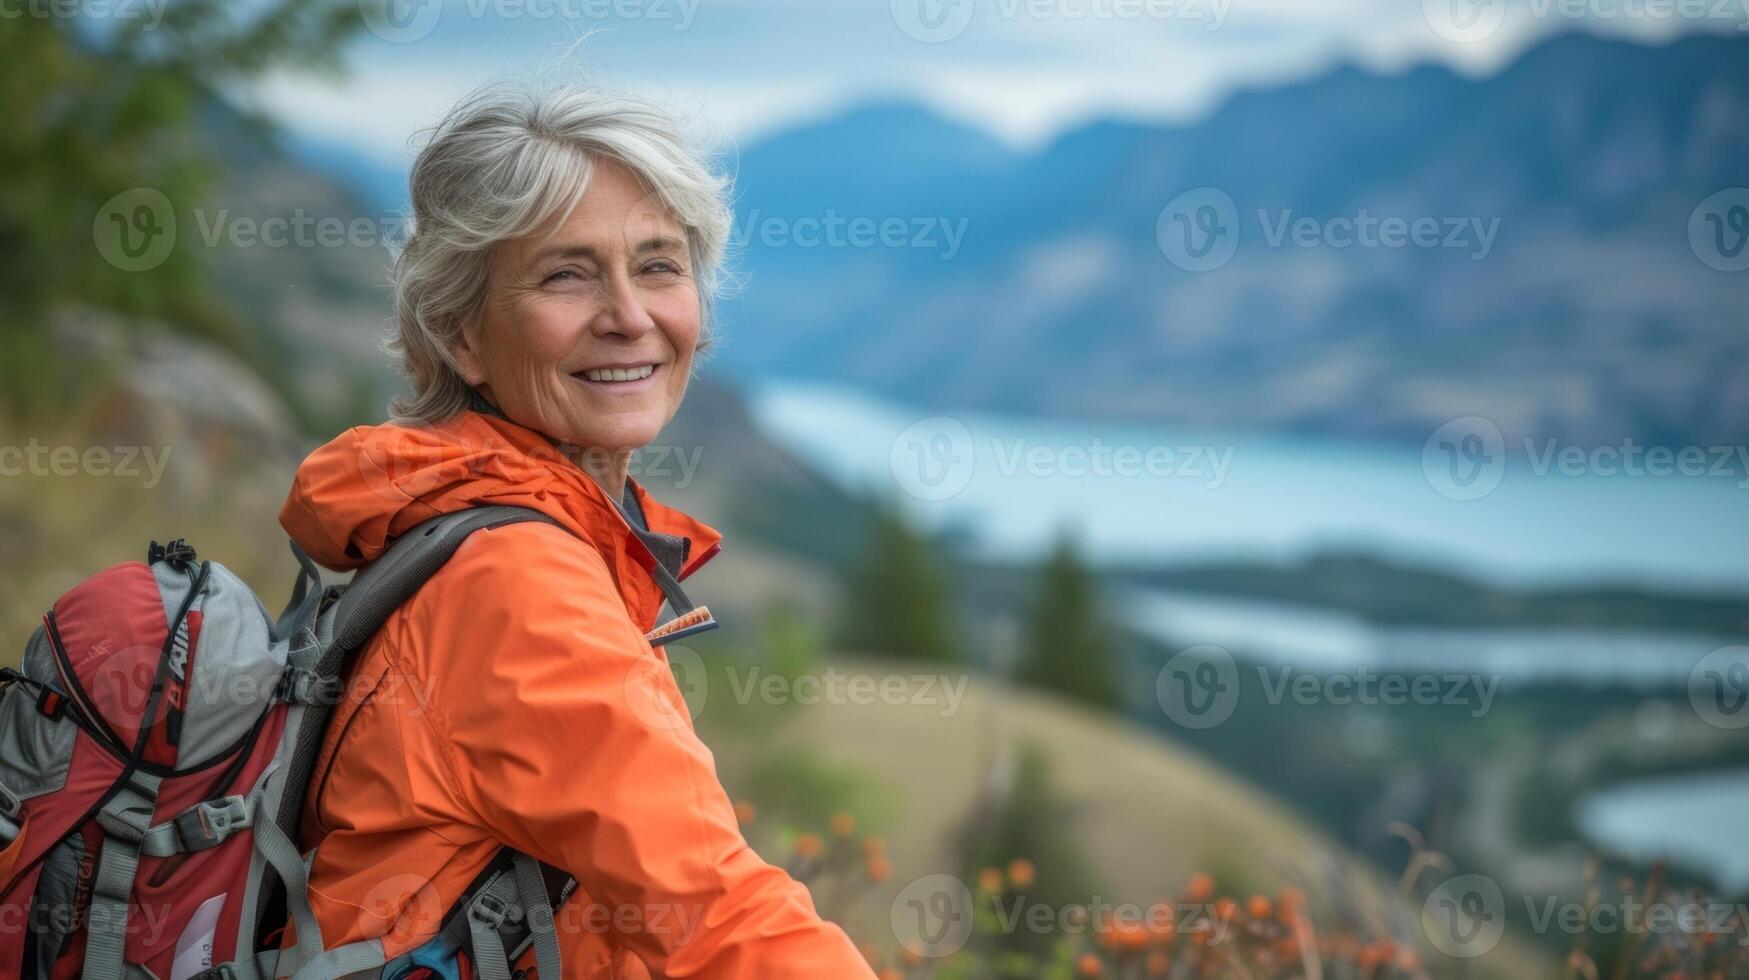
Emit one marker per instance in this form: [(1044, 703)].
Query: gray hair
[(501, 164)]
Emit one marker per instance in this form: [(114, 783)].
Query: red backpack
[(155, 747)]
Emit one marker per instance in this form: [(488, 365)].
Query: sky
[(1023, 70)]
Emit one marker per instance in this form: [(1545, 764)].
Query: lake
[(1696, 821), (1011, 483)]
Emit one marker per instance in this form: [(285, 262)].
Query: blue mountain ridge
[(1589, 318)]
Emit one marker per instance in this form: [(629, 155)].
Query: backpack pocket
[(36, 736)]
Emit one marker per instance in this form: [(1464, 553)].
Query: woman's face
[(590, 324)]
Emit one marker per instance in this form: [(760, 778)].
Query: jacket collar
[(667, 534), (630, 552)]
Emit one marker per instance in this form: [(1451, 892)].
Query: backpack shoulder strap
[(325, 634), (388, 582)]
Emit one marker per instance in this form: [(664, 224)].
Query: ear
[(467, 352)]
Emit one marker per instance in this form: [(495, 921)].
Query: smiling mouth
[(617, 375)]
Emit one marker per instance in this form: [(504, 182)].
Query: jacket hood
[(351, 497)]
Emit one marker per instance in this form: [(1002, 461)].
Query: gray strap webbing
[(492, 907), (537, 909), (279, 851), (336, 634), (124, 819), (206, 824), (376, 591), (257, 967), (344, 960), (389, 581), (306, 597)]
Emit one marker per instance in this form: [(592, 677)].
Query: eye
[(667, 267), (562, 275)]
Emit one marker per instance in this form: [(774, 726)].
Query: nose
[(622, 311)]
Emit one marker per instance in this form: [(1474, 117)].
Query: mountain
[(1563, 298)]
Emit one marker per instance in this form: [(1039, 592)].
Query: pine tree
[(1031, 824), (1068, 647), (899, 602), (98, 110)]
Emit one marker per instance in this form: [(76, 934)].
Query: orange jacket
[(511, 702)]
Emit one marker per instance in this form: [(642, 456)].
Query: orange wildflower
[(1201, 887)]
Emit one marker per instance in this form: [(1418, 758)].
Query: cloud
[(1024, 69)]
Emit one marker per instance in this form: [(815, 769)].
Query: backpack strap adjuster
[(494, 910), (128, 815), (301, 685)]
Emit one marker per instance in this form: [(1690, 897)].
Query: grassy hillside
[(1147, 814)]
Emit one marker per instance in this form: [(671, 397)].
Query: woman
[(551, 300)]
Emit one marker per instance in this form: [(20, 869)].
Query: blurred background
[(1280, 464)]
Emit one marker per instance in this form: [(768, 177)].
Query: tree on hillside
[(1069, 648), (102, 156), (898, 602), (1026, 835)]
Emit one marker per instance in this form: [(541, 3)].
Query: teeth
[(620, 374)]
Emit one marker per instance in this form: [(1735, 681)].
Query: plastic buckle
[(50, 704), (494, 911), (210, 823), (221, 972)]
